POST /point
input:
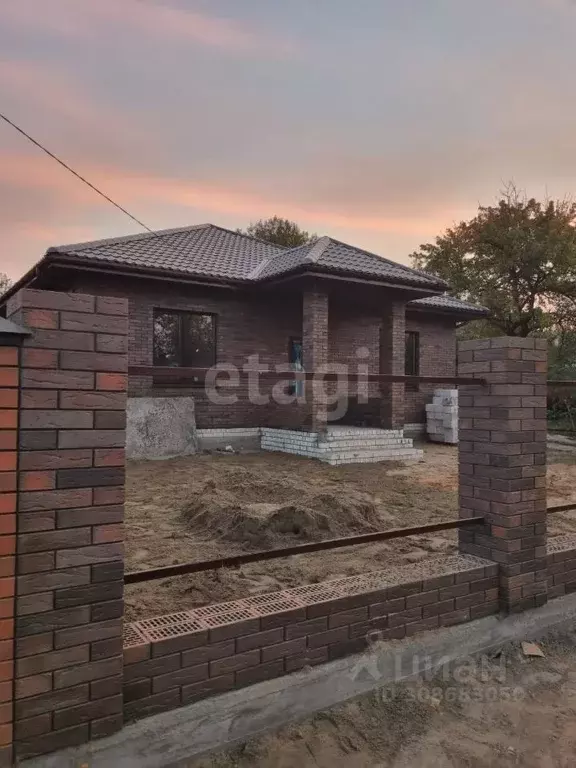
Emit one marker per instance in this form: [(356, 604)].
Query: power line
[(72, 171)]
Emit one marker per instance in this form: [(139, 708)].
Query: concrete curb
[(171, 738)]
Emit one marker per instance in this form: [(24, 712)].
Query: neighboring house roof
[(209, 251), (449, 304)]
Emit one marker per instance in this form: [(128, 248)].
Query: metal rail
[(561, 508), (562, 383), (233, 561), (300, 549), (165, 372)]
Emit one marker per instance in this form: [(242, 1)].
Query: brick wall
[(561, 565), (69, 586), (437, 358), (9, 375), (252, 322), (502, 462), (353, 327), (174, 660)]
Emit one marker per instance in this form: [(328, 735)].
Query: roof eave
[(113, 267), (463, 314), (435, 287)]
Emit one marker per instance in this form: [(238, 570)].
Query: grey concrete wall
[(160, 427)]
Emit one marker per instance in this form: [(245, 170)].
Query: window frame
[(412, 361), (183, 354)]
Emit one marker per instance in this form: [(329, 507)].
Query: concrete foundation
[(160, 427)]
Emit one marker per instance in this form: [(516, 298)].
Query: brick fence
[(69, 553), (67, 676), (174, 660)]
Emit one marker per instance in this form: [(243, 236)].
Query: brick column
[(502, 455), (315, 348), (69, 585), (10, 340), (392, 361)]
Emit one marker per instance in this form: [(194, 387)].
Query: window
[(184, 339), (412, 364)]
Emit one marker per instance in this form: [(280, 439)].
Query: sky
[(378, 122)]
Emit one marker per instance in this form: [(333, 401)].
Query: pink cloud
[(145, 191), (80, 18)]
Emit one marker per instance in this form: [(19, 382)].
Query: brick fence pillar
[(69, 548), (502, 462), (315, 349), (392, 361), (11, 338)]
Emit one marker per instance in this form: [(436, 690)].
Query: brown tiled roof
[(449, 304), (329, 255), (213, 252), (201, 250)]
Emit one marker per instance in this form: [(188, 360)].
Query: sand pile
[(244, 507)]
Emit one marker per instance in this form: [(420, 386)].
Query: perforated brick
[(317, 593), (275, 602), (166, 627), (225, 613)]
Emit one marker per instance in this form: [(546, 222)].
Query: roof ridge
[(396, 264), (125, 238), (318, 248), (251, 237), (284, 252)]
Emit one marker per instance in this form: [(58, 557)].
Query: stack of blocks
[(442, 416), (69, 561)]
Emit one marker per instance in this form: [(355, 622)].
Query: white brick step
[(334, 445), (362, 431), (413, 456)]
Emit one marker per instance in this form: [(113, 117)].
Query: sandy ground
[(518, 712), (207, 506)]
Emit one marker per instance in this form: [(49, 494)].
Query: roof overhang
[(455, 314), (55, 258), (330, 274)]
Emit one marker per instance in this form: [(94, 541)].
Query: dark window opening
[(296, 360), (412, 363), (184, 339)]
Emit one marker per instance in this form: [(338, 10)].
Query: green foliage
[(517, 258), (279, 231), (562, 356), (5, 283)]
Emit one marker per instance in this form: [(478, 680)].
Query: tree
[(5, 283), (279, 231), (517, 258)]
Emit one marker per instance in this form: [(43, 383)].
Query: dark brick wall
[(174, 660), (250, 322), (437, 358), (9, 374), (315, 313), (561, 565), (502, 462), (69, 587)]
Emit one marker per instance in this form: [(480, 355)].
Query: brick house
[(203, 295)]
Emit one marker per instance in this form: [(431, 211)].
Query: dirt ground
[(207, 506), (517, 712)]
